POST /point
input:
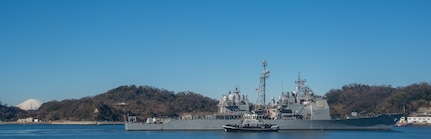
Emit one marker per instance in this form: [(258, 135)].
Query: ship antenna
[(299, 84), (282, 88), (262, 85)]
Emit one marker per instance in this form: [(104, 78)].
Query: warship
[(300, 109)]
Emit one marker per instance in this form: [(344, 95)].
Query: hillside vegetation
[(147, 101), (144, 101), (8, 113), (378, 99)]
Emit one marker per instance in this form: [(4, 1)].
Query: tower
[(261, 91)]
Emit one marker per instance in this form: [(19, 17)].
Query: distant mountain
[(30, 104)]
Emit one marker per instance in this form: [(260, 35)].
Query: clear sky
[(64, 49)]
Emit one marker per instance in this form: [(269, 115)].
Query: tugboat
[(251, 123)]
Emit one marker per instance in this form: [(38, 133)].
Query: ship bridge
[(234, 103)]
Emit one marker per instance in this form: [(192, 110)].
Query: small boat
[(251, 123)]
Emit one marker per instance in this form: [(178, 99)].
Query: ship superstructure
[(234, 104), (300, 104)]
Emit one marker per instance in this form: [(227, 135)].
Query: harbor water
[(25, 131)]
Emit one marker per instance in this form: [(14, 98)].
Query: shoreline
[(63, 123)]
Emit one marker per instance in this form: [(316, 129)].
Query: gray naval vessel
[(300, 109)]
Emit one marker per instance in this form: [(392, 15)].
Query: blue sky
[(55, 50)]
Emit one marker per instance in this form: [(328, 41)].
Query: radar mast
[(261, 91), (300, 84)]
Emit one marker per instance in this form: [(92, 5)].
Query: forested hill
[(379, 99), (147, 101), (8, 113), (144, 101)]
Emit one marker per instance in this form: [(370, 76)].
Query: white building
[(419, 120), (26, 120)]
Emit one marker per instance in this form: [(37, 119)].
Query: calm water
[(117, 131)]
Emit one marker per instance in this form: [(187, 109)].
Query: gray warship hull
[(300, 109), (381, 122)]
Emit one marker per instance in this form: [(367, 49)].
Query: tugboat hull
[(235, 128)]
